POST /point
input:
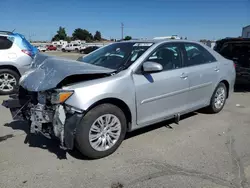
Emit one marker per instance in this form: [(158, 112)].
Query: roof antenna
[(13, 30)]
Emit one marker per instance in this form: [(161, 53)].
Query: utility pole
[(31, 35), (122, 26)]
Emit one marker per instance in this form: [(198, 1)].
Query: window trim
[(138, 70), (185, 55)]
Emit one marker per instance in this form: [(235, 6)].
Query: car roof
[(5, 33), (233, 39), (157, 41)]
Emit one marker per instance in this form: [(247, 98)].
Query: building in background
[(246, 32)]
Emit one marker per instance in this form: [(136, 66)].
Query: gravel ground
[(202, 151)]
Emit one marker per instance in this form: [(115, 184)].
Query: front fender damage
[(64, 125)]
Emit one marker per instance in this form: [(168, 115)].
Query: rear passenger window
[(5, 43), (197, 55)]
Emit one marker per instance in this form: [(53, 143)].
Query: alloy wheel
[(220, 97), (7, 82), (104, 132)]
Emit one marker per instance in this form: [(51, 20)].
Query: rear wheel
[(63, 50), (218, 99), (8, 81), (101, 131)]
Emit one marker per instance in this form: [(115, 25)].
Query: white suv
[(16, 55), (71, 47)]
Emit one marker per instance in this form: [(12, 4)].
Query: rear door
[(203, 73)]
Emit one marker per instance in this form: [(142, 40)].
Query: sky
[(195, 19)]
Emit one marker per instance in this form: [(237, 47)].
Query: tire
[(83, 131), (213, 108), (11, 74), (63, 50), (77, 50)]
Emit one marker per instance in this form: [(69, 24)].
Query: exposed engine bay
[(50, 120)]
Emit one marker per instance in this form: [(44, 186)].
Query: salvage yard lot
[(68, 55), (204, 150)]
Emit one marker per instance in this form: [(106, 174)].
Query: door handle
[(184, 76)]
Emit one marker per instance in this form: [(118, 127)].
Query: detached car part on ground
[(96, 100)]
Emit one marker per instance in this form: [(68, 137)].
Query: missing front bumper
[(65, 129)]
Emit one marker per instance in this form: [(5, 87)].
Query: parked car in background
[(16, 55), (82, 47), (88, 49), (71, 47), (51, 48), (121, 87), (42, 48), (238, 50)]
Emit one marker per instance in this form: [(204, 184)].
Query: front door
[(203, 73), (162, 94)]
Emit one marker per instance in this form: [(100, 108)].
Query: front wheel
[(101, 131), (218, 99)]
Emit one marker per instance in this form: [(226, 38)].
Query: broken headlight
[(60, 96)]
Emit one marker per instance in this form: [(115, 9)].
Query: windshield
[(117, 55)]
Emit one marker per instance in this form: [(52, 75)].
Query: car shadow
[(168, 124), (38, 141), (53, 145)]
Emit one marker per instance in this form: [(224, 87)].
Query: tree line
[(78, 34)]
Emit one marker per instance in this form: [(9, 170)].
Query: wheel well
[(10, 67), (227, 86), (119, 103)]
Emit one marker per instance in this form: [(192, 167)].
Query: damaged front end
[(47, 114), (42, 104)]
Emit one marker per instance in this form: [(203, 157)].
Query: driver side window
[(168, 55)]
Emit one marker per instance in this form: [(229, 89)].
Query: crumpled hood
[(47, 72)]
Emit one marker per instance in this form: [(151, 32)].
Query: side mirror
[(151, 67)]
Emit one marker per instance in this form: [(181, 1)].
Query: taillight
[(29, 53), (234, 65)]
